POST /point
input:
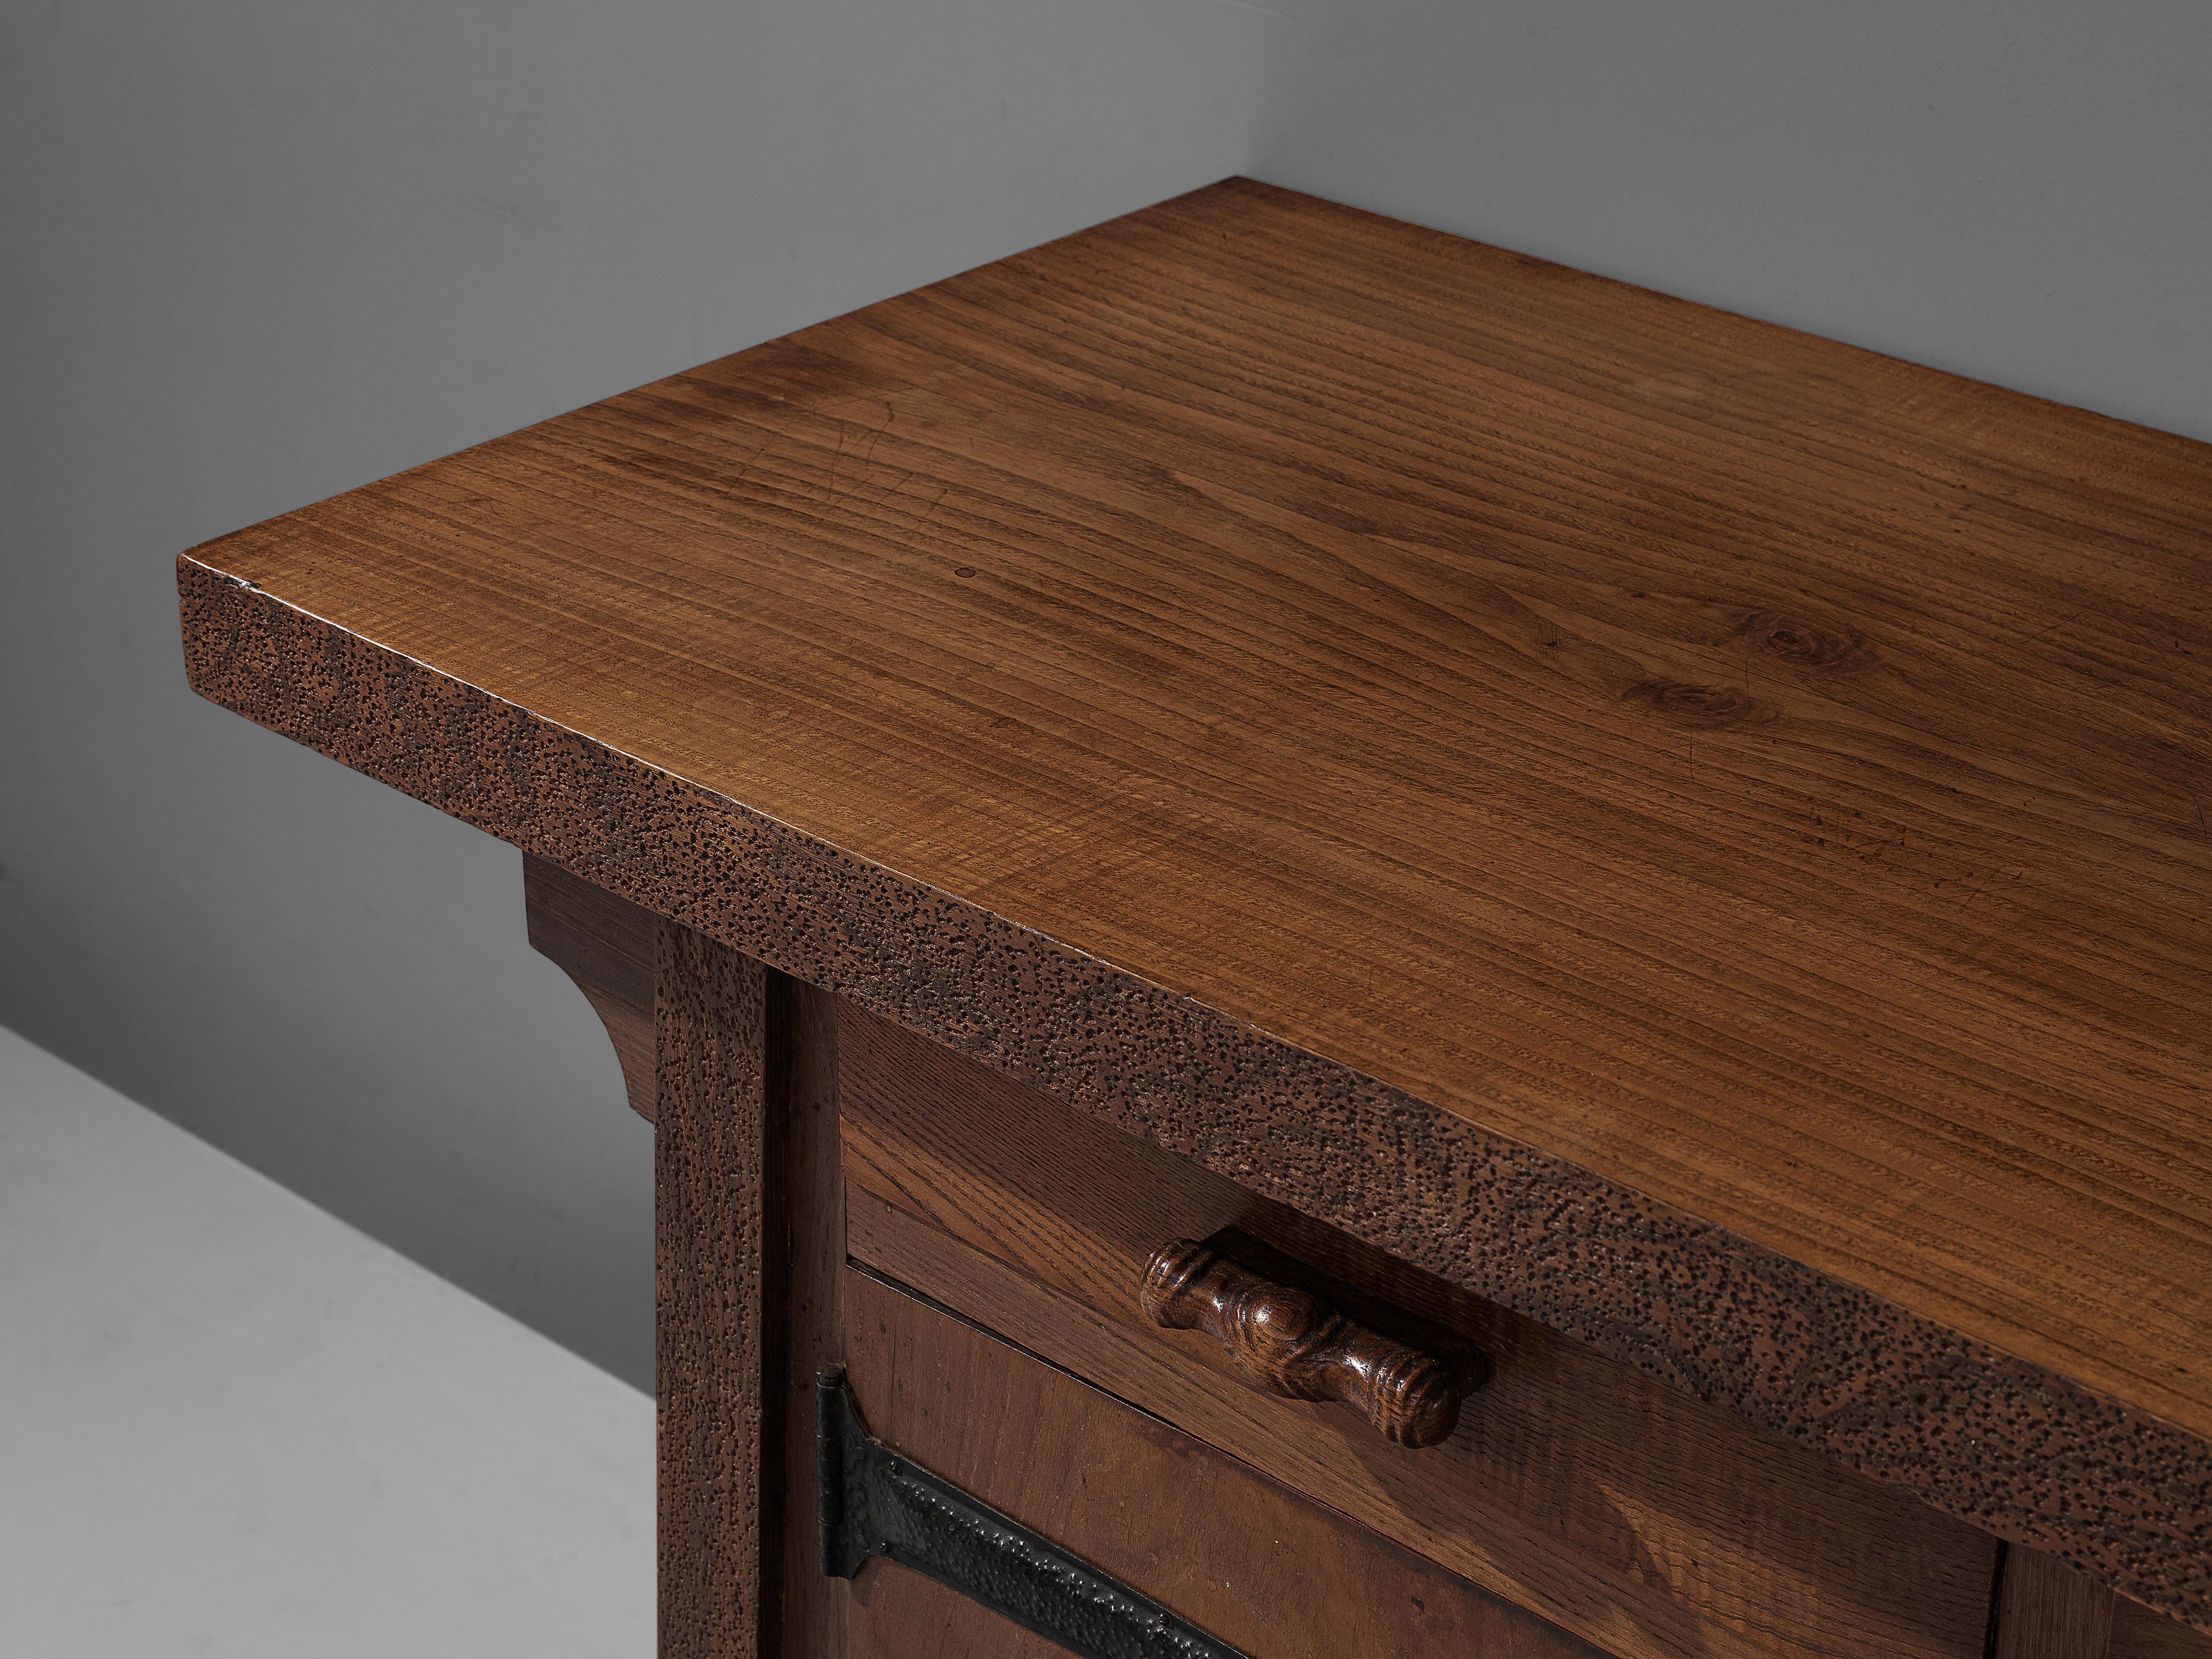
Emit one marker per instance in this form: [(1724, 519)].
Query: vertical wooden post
[(809, 1184), (2046, 1610), (710, 1160), (738, 1064)]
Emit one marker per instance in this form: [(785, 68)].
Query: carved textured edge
[(1982, 1435)]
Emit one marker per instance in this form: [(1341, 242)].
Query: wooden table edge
[(1993, 1439)]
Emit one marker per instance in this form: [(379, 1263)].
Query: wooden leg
[(710, 1159), (806, 1149), (738, 1067)]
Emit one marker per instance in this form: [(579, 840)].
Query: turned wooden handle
[(1291, 1343)]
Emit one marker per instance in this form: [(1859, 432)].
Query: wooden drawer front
[(1225, 1548), (1642, 1521), (2139, 1633), (2046, 1610)]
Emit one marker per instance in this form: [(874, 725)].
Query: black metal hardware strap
[(876, 1503)]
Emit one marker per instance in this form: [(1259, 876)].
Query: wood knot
[(1800, 643), (1686, 704)]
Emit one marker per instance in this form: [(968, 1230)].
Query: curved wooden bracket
[(605, 944)]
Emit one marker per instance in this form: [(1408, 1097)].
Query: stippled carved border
[(1979, 1434)]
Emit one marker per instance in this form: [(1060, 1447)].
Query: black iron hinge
[(873, 1502)]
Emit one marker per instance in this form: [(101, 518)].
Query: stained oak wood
[(1637, 1577), (1308, 687), (605, 944), (1291, 1342), (2046, 1610), (1644, 1522), (1207, 1536), (803, 1142), (2140, 1632), (715, 1279)]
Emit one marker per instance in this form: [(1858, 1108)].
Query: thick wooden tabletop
[(1767, 777)]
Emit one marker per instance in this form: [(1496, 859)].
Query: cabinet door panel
[(1648, 1522), (1203, 1533)]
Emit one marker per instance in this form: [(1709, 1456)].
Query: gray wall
[(251, 255), (2016, 190)]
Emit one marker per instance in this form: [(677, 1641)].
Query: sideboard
[(1346, 945)]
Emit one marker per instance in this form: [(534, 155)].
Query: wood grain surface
[(809, 1213), (1201, 1534), (605, 944), (2046, 1610), (2141, 1632), (1649, 1524), (1286, 1340), (713, 1286), (1282, 677)]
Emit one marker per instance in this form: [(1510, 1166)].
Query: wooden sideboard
[(1346, 945)]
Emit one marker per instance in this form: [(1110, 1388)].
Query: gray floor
[(231, 1426)]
